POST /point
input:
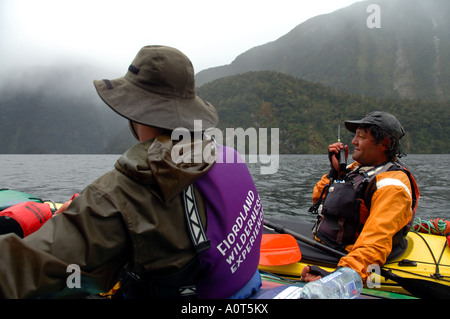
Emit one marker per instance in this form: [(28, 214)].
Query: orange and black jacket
[(389, 211)]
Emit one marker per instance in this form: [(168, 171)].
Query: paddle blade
[(279, 249)]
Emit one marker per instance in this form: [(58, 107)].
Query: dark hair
[(379, 135)]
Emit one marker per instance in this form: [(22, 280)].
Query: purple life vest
[(234, 226)]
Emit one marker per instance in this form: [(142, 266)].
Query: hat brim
[(353, 125), (144, 107)]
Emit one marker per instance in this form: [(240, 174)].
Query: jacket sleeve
[(390, 212), (88, 235)]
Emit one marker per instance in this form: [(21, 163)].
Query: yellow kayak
[(424, 266)]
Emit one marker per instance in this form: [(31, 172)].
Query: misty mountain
[(308, 114), (407, 57), (402, 67), (55, 110)]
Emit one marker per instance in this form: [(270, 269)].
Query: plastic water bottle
[(344, 283)]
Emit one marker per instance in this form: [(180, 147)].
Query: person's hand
[(333, 152), (307, 276), (65, 205)]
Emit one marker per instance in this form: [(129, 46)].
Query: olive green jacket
[(130, 217)]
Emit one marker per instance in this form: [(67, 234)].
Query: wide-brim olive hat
[(384, 120), (158, 90)]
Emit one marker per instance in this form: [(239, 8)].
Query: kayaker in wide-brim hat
[(163, 226)]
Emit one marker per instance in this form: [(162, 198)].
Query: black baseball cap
[(384, 120)]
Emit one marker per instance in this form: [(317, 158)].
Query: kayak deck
[(425, 260)]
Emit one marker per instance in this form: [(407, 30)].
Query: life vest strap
[(193, 221)]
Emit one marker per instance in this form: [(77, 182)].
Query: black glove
[(318, 271)]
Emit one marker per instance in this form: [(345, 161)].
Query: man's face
[(366, 152)]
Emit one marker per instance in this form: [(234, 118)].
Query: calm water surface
[(284, 194)]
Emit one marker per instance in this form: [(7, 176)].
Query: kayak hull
[(9, 197)]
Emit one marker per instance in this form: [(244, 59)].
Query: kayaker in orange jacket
[(387, 209)]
